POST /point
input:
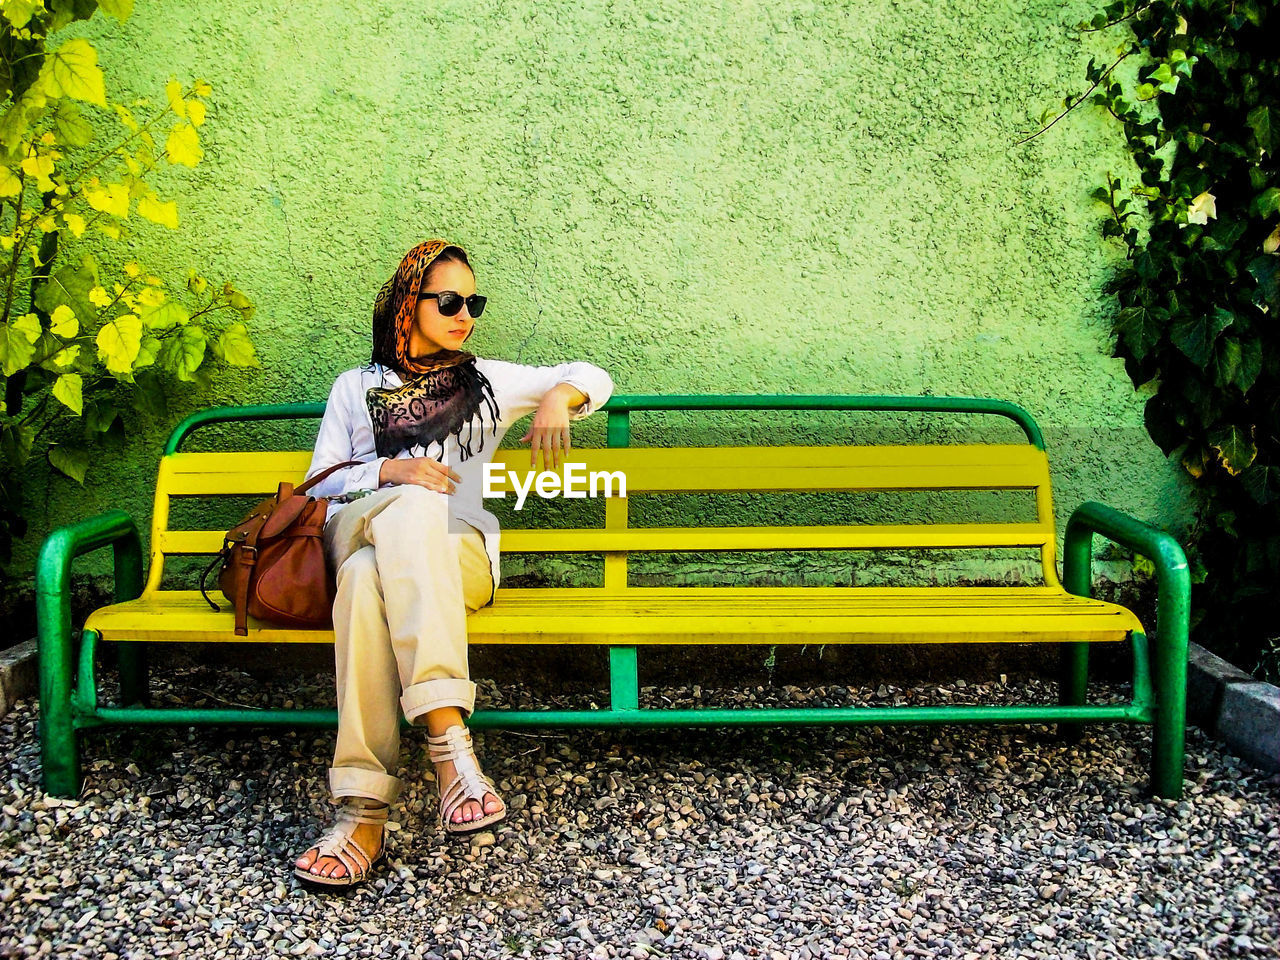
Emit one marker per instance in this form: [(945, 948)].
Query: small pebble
[(800, 842)]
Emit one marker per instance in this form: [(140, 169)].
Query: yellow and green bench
[(624, 616)]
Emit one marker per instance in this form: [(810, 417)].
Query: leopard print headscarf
[(443, 393)]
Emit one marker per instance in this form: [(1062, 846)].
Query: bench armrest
[(59, 752), (1172, 633), (1173, 578), (116, 529)]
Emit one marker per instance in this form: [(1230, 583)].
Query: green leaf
[(1224, 57), (149, 397), (1195, 335), (1162, 425), (72, 461), (1146, 265), (242, 303), (1164, 78), (120, 9), (70, 287), (183, 352), (16, 441), (1196, 459), (165, 315), (1227, 231), (18, 12), (1262, 483), (148, 352), (63, 322), (18, 118), (72, 71), (235, 347), (1140, 329), (202, 378), (65, 11), (1259, 121), (183, 145), (164, 213), (69, 389), (29, 326), (1266, 270), (1266, 203), (99, 415), (1143, 566), (1235, 445), (16, 349), (1227, 358), (72, 128), (1250, 364), (119, 342), (59, 356)]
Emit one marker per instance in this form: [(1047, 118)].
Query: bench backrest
[(650, 470)]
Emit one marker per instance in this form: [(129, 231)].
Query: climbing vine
[(84, 340), (1198, 294)]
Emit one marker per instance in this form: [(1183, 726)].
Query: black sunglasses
[(450, 303)]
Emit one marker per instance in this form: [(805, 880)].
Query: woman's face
[(432, 332)]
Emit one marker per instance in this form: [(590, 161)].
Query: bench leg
[(1073, 683), (1169, 726), (59, 739), (624, 679), (134, 673)]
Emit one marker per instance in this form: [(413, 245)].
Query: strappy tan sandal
[(338, 843), (469, 784)]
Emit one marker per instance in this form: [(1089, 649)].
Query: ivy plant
[(84, 339), (1197, 319)]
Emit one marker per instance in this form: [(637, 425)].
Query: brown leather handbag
[(273, 562)]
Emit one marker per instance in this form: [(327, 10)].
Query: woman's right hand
[(422, 471)]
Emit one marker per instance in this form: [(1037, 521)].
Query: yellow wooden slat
[(820, 601), (188, 474), (867, 536), (666, 458), (698, 615), (695, 469), (908, 467), (616, 518)]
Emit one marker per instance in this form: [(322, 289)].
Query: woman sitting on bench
[(413, 547)]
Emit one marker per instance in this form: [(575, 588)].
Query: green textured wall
[(711, 197)]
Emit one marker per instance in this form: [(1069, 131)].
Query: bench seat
[(674, 615)]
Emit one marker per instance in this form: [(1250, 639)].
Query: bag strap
[(218, 557), (325, 473), (245, 559)]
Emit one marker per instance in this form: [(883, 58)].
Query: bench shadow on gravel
[(281, 767)]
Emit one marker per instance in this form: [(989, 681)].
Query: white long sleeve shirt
[(346, 433)]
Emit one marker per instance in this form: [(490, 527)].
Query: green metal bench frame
[(68, 689)]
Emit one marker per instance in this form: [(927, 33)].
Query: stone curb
[(1231, 706), (1222, 700), (19, 674)]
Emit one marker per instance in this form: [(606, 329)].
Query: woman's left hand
[(549, 431)]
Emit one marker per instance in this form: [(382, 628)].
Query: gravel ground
[(862, 842)]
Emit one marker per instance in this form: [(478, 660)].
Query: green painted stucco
[(718, 197)]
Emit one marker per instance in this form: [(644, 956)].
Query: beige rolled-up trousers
[(407, 577)]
